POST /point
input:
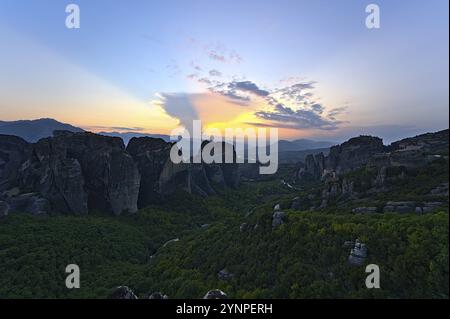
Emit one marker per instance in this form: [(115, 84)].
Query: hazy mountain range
[(34, 130)]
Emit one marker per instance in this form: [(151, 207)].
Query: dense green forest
[(303, 258)]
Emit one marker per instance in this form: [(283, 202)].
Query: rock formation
[(364, 210), (158, 295), (358, 254), (4, 209), (278, 219), (122, 292), (225, 275), (363, 166), (215, 294), (74, 173)]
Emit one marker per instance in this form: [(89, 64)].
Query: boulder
[(243, 227), (158, 295), (364, 210), (215, 294), (358, 254), (278, 219), (225, 275), (402, 207), (430, 207), (122, 292), (440, 190)]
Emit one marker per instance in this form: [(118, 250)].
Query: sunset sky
[(310, 68)]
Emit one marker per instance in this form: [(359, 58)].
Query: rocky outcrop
[(74, 173), (369, 151), (224, 275), (358, 254), (364, 210), (57, 177), (215, 294), (151, 156), (13, 153), (122, 292), (440, 190), (278, 219), (353, 154), (405, 207), (161, 177), (363, 166), (158, 295), (70, 173), (313, 168), (400, 207), (4, 209), (430, 142), (31, 203)]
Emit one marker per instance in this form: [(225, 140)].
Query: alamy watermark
[(73, 19), (236, 145), (373, 19), (73, 279), (373, 279)]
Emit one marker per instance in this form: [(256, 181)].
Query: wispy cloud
[(220, 53), (215, 72), (116, 128)]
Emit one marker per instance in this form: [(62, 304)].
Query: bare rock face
[(4, 209), (226, 173), (74, 173), (122, 292), (376, 167), (215, 294), (354, 153), (32, 203), (58, 178), (429, 142), (364, 210), (158, 295), (70, 173), (13, 152), (151, 156), (111, 178), (400, 207), (278, 219), (161, 177), (358, 254), (244, 227), (225, 275)]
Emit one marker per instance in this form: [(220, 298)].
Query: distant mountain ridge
[(302, 145), (34, 130), (127, 136)]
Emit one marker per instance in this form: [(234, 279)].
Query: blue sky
[(131, 60)]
